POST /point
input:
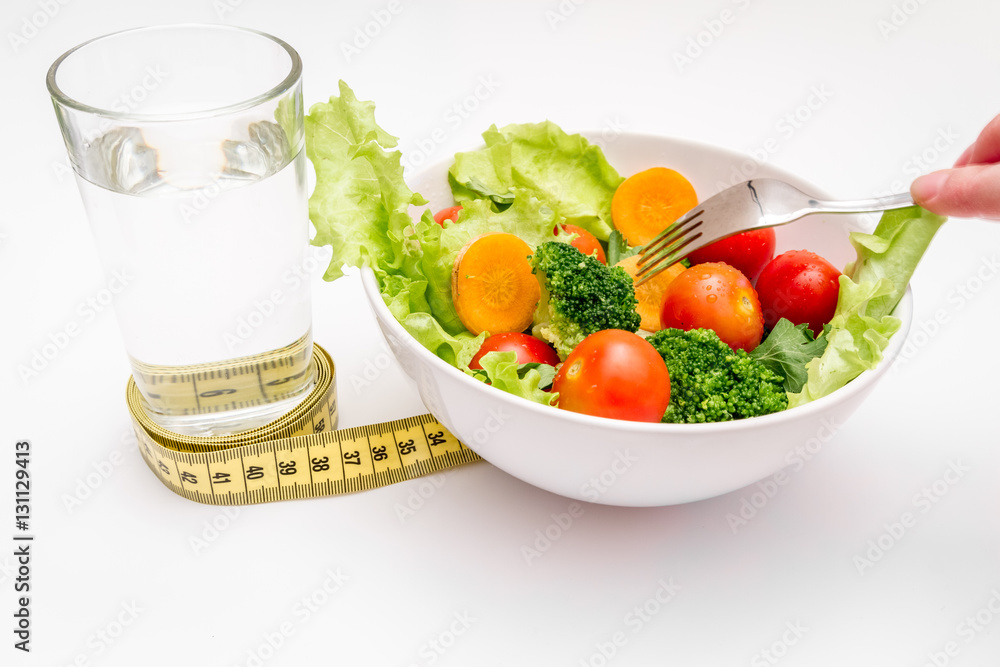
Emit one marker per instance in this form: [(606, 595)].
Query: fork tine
[(664, 258), (656, 258), (672, 234)]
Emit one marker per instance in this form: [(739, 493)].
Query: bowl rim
[(820, 405)]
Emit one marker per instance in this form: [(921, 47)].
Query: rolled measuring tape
[(299, 455)]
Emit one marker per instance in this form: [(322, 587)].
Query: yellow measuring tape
[(299, 455)]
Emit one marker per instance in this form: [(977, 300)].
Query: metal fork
[(762, 202)]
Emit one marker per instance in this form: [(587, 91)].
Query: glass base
[(228, 422)]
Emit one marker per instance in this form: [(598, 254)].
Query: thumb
[(971, 191)]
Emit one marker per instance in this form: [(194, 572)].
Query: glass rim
[(286, 84)]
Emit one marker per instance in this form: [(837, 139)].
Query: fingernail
[(927, 187)]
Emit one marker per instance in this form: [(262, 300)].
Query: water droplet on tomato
[(711, 298)]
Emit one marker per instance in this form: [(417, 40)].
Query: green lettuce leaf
[(854, 341), (565, 172), (407, 301), (892, 252), (360, 203), (525, 380), (360, 206), (870, 289), (618, 248), (787, 350), (473, 189), (287, 116)]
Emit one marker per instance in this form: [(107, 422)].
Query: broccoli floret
[(580, 296), (709, 382)]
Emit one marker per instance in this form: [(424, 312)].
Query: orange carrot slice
[(645, 203), (651, 293), (492, 285)]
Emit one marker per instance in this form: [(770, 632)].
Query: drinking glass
[(187, 145)]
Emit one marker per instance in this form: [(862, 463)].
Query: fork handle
[(900, 200)]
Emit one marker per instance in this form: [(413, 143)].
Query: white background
[(126, 573)]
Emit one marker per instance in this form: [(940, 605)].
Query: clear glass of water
[(187, 144)]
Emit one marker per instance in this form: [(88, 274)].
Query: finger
[(972, 191), (986, 149), (966, 155)]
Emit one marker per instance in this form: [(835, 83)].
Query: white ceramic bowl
[(628, 463)]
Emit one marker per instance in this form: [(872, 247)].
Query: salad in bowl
[(507, 289)]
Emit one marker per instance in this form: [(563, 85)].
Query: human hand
[(970, 189)]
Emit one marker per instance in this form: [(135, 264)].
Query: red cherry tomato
[(801, 286), (614, 374), (528, 348), (715, 296), (450, 213), (748, 251), (585, 242)]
